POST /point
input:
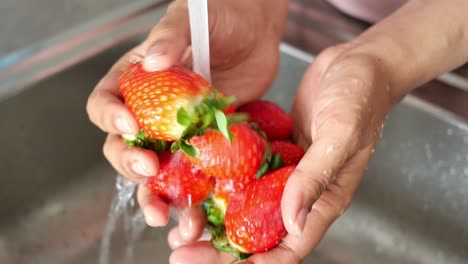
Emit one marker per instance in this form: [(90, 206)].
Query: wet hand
[(339, 112), (240, 45)]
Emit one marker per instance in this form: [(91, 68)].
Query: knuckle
[(289, 254), (325, 58), (164, 30), (318, 185), (125, 61), (338, 201)]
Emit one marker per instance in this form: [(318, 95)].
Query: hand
[(244, 39), (339, 112)]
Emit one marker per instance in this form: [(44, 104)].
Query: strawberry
[(253, 221), (289, 153), (270, 118), (172, 104), (224, 189), (238, 160), (179, 182)]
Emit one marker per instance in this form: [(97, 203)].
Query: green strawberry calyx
[(207, 115), (219, 239), (270, 162), (143, 141)]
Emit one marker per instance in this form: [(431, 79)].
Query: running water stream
[(123, 203), (123, 206)]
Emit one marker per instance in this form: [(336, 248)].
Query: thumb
[(169, 40), (317, 169)]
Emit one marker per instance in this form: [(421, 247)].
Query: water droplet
[(189, 200), (241, 232), (330, 149), (465, 171), (327, 172)]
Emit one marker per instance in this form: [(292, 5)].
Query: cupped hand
[(243, 41), (339, 112)]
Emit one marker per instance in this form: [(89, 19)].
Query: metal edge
[(21, 69)]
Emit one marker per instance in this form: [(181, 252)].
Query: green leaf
[(223, 102), (207, 119), (263, 169), (175, 146), (143, 141), (141, 135), (258, 130), (214, 215), (184, 118), (189, 149), (237, 118), (222, 123), (276, 162)]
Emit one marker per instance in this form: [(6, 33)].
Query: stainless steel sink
[(412, 206)]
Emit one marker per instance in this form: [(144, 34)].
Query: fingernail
[(140, 169), (186, 226), (154, 60), (151, 218), (123, 126), (300, 222)]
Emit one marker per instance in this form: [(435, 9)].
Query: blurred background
[(56, 188), (24, 22)]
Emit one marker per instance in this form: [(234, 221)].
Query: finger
[(155, 210), (168, 41), (134, 163), (191, 223), (279, 255), (105, 106), (334, 142), (199, 253), (175, 239), (331, 204)]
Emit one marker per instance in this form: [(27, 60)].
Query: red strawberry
[(289, 153), (253, 218), (238, 160), (223, 190), (179, 182), (155, 98), (172, 103), (270, 117), (230, 109)]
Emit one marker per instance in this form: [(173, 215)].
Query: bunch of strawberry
[(235, 162)]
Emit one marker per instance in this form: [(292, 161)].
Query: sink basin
[(56, 189)]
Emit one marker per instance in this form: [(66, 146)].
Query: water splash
[(123, 205)]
